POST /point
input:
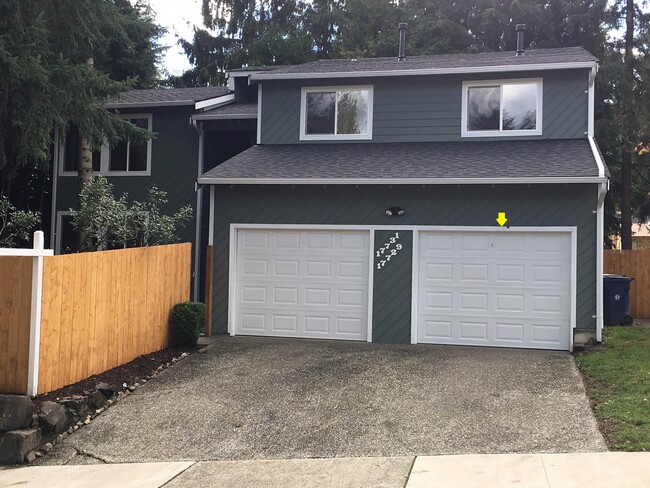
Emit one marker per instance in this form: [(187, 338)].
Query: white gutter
[(423, 71), (199, 202), (224, 116), (207, 180)]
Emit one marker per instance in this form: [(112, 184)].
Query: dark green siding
[(173, 166), (465, 205), (391, 301), (427, 108)]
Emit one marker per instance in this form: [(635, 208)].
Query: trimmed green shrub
[(187, 320)]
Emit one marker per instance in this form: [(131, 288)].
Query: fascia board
[(175, 103), (424, 71), (207, 180)]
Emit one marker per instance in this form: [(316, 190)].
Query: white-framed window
[(127, 158), (339, 113), (503, 108)]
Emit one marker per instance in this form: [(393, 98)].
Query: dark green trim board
[(391, 304), (449, 205), (428, 107)]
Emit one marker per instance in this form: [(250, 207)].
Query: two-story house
[(448, 199)]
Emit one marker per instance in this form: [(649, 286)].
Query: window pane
[(71, 151), (138, 156), (141, 123), (68, 237), (520, 107), (118, 157), (320, 113), (483, 108), (352, 115)]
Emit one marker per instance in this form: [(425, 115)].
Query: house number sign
[(388, 251)]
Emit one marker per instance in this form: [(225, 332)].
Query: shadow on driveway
[(258, 398)]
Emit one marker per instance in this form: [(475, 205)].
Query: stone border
[(27, 434)]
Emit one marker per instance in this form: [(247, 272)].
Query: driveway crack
[(80, 452)]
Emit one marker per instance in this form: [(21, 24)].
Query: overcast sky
[(178, 17)]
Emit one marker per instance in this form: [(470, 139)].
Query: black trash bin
[(616, 300)]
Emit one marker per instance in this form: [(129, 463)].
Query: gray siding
[(391, 304), (173, 167), (427, 108), (470, 205)]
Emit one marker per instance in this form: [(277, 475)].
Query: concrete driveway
[(254, 398)]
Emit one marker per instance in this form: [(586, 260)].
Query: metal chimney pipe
[(402, 40), (520, 28)]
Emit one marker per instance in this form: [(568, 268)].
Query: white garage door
[(495, 289), (302, 283)]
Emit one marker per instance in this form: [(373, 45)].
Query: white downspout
[(600, 206), (199, 201), (600, 231)]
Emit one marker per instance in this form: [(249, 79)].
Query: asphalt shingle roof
[(570, 158), (170, 96), (433, 62), (230, 111)]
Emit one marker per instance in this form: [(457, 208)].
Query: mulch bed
[(140, 367)]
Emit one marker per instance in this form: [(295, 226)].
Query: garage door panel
[(516, 294), (305, 284)]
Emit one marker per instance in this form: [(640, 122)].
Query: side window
[(507, 108), (66, 239), (127, 158), (336, 113)]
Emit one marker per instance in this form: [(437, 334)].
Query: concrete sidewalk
[(595, 470)]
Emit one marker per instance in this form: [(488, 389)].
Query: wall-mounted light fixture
[(395, 211)]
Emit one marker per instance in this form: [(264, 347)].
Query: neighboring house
[(196, 129), (640, 237), (368, 209)]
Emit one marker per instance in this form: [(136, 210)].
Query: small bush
[(187, 320)]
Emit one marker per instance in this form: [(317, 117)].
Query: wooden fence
[(15, 313), (98, 310), (634, 264)]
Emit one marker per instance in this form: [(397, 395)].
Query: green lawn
[(617, 376)]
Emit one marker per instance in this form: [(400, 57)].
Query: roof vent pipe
[(520, 28), (402, 40)]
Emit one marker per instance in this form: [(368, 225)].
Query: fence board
[(634, 264), (15, 312), (104, 309)]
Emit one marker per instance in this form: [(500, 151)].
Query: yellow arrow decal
[(501, 219)]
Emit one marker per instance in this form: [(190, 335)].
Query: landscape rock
[(47, 447), (106, 389), (97, 399), (202, 350), (52, 418), (77, 404), (15, 412), (15, 445), (30, 457)]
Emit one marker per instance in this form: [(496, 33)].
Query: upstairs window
[(502, 108), (127, 158), (336, 113)]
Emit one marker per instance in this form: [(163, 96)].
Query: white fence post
[(35, 321)]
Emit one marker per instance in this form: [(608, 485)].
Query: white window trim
[(464, 132), (334, 137), (104, 163)]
